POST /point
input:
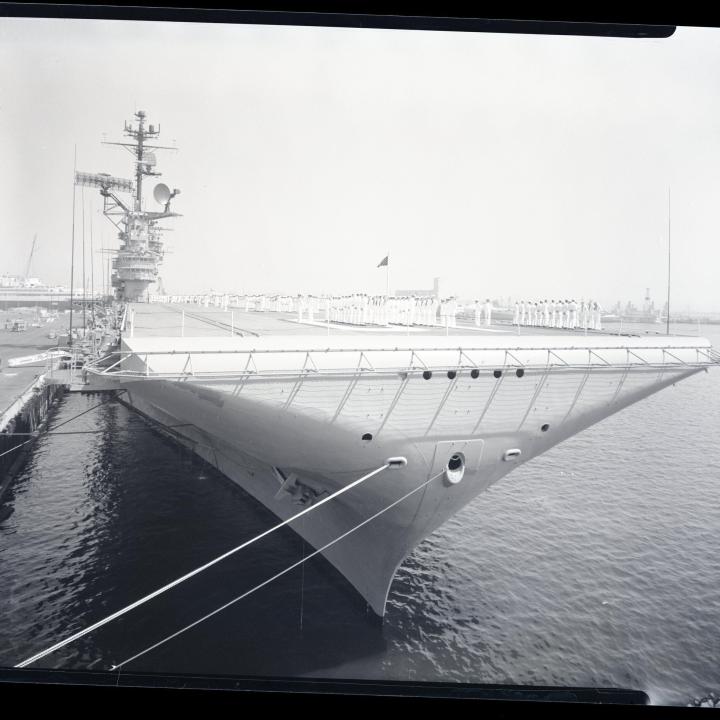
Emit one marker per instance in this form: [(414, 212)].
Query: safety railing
[(247, 360)]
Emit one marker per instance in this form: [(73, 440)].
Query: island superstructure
[(135, 266), (294, 408)]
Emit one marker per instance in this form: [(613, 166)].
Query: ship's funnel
[(161, 193)]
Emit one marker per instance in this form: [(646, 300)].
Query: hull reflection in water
[(102, 518)]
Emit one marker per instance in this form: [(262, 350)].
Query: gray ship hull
[(291, 440)]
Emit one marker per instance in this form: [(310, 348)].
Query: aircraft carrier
[(375, 425)]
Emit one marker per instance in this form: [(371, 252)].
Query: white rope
[(274, 577), (37, 433), (198, 570)]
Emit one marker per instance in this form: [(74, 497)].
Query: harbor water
[(596, 564)]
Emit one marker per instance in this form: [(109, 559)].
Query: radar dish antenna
[(161, 193)]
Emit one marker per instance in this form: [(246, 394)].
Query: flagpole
[(387, 276), (72, 251), (668, 272)]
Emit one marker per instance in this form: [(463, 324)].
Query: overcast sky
[(531, 166)]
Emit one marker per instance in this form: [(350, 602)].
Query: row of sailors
[(561, 314), (355, 309), (218, 301), (363, 309)]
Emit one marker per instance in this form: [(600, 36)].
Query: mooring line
[(275, 577), (75, 432), (52, 432), (389, 463)]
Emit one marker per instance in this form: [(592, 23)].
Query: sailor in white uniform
[(311, 308), (413, 309), (452, 312), (516, 314), (488, 311), (434, 308), (573, 314), (477, 313)]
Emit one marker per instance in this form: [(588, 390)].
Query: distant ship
[(36, 295), (294, 414), (648, 314)]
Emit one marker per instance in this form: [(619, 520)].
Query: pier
[(29, 389)]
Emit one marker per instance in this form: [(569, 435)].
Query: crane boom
[(32, 252)]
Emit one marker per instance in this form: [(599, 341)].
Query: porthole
[(427, 374), (451, 374), (474, 373), (545, 427), (367, 436), (497, 373), (519, 372)]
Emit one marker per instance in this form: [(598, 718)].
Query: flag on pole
[(384, 261)]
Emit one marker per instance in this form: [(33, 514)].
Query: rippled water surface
[(595, 564)]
